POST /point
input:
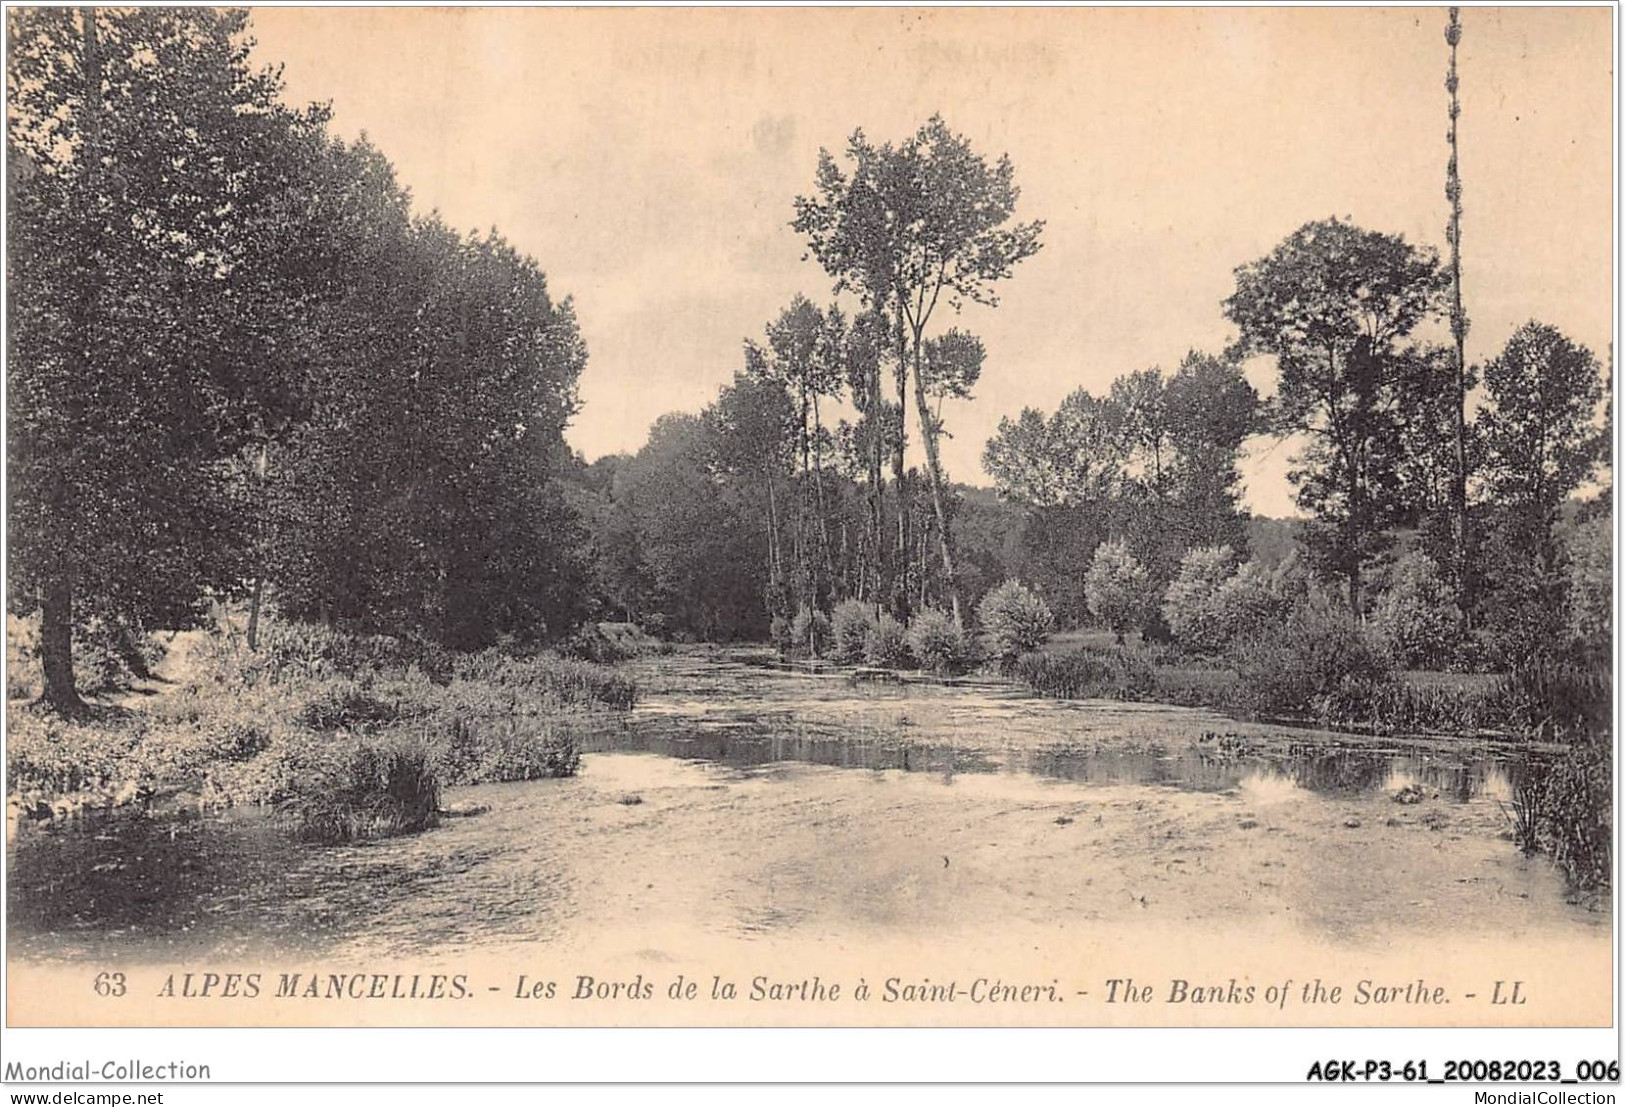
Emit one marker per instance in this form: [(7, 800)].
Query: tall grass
[(567, 681), (350, 737), (1578, 813), (1087, 674), (380, 789)]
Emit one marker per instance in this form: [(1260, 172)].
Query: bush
[(849, 630), (488, 751), (886, 643), (939, 644), (809, 631), (1014, 621), (1258, 597), (1191, 604), (47, 756), (610, 643), (568, 681), (1417, 616), (294, 652), (1119, 589), (346, 705), (1318, 662), (380, 789)]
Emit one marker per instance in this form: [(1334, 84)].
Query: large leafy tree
[(422, 491), (907, 227), (1541, 439), (1182, 436), (142, 143), (1334, 304), (698, 535)]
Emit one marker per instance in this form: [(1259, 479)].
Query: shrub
[(849, 630), (1191, 604), (938, 643), (809, 631), (590, 642), (566, 680), (886, 643), (1119, 589), (1119, 674), (1314, 665), (1014, 620), (1074, 675), (484, 751), (49, 756), (1417, 616), (380, 789), (292, 652), (1257, 597), (346, 705)]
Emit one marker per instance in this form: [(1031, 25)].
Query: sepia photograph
[(810, 517)]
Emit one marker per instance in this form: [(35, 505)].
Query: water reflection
[(923, 730)]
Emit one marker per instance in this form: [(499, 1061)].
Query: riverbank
[(346, 736)]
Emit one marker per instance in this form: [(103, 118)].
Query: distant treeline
[(735, 522)]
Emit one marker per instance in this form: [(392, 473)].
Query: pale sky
[(648, 159)]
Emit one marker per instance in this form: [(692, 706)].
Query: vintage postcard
[(743, 517)]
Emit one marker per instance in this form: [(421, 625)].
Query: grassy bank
[(1307, 684), (348, 736)]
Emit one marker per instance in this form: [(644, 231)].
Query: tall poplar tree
[(909, 227)]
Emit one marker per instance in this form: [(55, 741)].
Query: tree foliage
[(141, 142), (1014, 620), (1541, 438), (906, 226), (1333, 304), (237, 357), (1121, 593)]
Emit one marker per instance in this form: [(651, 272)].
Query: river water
[(836, 797)]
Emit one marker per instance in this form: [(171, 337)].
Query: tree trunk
[(1354, 583), (875, 567), (928, 432), (254, 612), (261, 468), (899, 468), (56, 608), (56, 646), (129, 652), (775, 565), (818, 491)]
